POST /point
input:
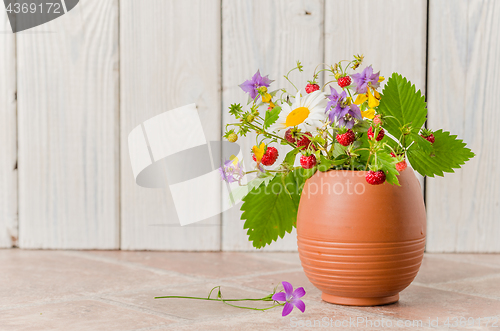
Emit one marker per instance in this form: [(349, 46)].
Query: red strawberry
[(375, 177), (347, 138), (380, 135), (269, 157), (310, 88), (401, 166), (308, 161), (344, 81), (305, 141), (430, 138), (289, 136)]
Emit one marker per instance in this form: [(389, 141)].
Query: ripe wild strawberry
[(232, 137), (380, 134), (308, 161), (305, 141), (347, 138), (289, 136), (270, 156), (310, 88), (375, 177), (427, 135), (430, 138), (401, 166), (344, 81)]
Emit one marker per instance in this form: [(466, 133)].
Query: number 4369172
[(48, 7)]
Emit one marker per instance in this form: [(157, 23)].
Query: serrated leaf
[(447, 153), (421, 143), (270, 211), (239, 192), (388, 165), (401, 105), (272, 116)]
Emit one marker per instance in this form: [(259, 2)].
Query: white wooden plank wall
[(8, 135), (170, 57), (68, 130), (87, 78), (464, 65), (270, 36)]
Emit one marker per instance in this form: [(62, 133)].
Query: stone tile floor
[(114, 290)]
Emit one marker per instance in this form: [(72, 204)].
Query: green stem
[(291, 83), (208, 299)]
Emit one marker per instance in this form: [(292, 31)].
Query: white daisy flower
[(306, 113)]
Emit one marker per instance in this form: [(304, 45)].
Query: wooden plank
[(170, 57), (270, 36), (390, 33), (464, 48), (8, 135), (68, 130)]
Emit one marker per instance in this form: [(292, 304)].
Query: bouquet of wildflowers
[(347, 124)]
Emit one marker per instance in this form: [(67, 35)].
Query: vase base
[(359, 301)]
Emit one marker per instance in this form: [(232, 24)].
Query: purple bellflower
[(291, 297), (361, 80), (251, 86), (231, 171), (338, 108)]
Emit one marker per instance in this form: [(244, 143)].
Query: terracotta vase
[(361, 244)]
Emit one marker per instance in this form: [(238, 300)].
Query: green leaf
[(324, 164), (290, 156), (421, 143), (447, 153), (338, 150), (388, 165), (361, 126), (271, 116), (239, 192), (271, 211), (402, 106)]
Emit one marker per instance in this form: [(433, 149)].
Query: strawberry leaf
[(388, 165), (402, 107), (271, 116), (270, 211), (447, 153)]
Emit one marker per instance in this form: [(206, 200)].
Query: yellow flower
[(259, 151), (266, 97), (372, 100), (369, 113), (381, 78), (360, 99)]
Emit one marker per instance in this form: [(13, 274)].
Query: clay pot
[(361, 244)]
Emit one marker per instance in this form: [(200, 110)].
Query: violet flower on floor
[(291, 297), (251, 86), (365, 79)]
